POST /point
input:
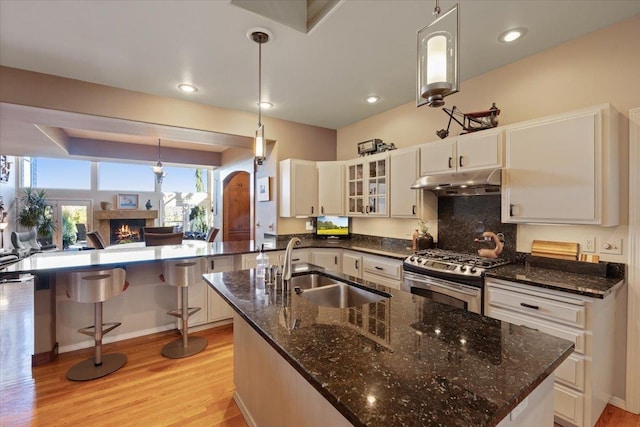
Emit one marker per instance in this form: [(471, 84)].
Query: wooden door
[(236, 201)]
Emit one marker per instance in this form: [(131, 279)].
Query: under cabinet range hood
[(472, 183)]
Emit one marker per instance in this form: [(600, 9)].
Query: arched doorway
[(236, 202)]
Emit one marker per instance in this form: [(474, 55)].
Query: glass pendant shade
[(438, 60), (260, 148), (158, 169)]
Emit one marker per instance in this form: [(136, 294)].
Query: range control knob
[(473, 269), (463, 268)]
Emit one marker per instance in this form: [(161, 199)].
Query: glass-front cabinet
[(367, 191)]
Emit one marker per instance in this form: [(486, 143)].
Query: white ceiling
[(359, 48)]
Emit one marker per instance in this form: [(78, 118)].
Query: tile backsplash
[(464, 218)]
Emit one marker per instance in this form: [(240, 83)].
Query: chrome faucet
[(286, 268)]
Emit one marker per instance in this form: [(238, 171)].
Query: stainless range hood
[(472, 183)]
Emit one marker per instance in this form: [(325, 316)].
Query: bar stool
[(182, 274), (95, 287)]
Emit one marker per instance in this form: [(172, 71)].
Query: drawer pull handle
[(295, 259), (524, 304), (379, 268), (450, 162)]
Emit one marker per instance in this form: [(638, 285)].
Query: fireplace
[(126, 230), (136, 220)]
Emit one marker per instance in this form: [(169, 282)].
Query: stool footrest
[(178, 312), (90, 330)]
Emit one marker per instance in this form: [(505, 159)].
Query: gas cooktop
[(454, 263)]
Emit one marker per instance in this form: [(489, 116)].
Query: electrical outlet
[(611, 246), (309, 225), (588, 245)]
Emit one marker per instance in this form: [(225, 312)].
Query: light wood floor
[(149, 390)]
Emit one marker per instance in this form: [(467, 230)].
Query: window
[(184, 180), (43, 172), (125, 176), (186, 200)]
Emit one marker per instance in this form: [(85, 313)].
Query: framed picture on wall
[(127, 201), (4, 169), (263, 189)]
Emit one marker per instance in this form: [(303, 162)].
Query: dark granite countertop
[(424, 363), (582, 284)]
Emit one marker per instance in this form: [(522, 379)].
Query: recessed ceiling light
[(185, 87), (265, 104), (372, 99), (512, 34)]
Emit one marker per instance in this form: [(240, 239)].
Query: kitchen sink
[(338, 295), (308, 281)]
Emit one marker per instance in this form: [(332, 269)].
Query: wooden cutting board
[(558, 250)]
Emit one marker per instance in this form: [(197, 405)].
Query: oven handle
[(429, 283)]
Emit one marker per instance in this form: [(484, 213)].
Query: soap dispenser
[(262, 263)]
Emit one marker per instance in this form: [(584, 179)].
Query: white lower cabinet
[(218, 308), (352, 264), (382, 270), (329, 259), (584, 381), (212, 307)]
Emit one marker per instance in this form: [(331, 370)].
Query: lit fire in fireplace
[(125, 233)]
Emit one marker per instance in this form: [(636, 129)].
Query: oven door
[(443, 291)]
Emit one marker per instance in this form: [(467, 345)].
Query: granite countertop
[(424, 363), (131, 253), (582, 284)]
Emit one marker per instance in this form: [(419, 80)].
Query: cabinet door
[(355, 180), (298, 188), (330, 188), (352, 264), (438, 157), (329, 259), (404, 171), (551, 171), (479, 150), (218, 308), (377, 186)]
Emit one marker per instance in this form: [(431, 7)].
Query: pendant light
[(158, 168), (260, 36), (438, 74)]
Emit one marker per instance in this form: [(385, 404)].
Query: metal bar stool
[(96, 287), (182, 274)]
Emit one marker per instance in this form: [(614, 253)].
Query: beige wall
[(598, 68)]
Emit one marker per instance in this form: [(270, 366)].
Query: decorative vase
[(148, 205)]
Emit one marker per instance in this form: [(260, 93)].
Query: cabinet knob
[(413, 211), (322, 210), (312, 209)]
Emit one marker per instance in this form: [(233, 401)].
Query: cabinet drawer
[(546, 308), (382, 267), (570, 334), (568, 404), (571, 372), (218, 264)]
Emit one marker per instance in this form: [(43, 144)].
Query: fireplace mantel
[(101, 219)]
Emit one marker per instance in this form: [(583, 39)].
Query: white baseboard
[(243, 410), (107, 340), (618, 403)]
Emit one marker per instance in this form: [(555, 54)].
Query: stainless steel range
[(448, 277)]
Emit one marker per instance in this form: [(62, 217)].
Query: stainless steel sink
[(308, 281), (339, 295)]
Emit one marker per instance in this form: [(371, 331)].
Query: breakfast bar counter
[(403, 360)]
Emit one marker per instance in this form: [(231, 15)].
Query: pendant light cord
[(259, 84), (436, 10)]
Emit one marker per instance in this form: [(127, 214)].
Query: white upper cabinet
[(563, 169), (298, 188), (330, 188), (367, 186), (473, 151), (405, 202)]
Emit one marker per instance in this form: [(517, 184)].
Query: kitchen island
[(400, 361)]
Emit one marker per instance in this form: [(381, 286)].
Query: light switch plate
[(611, 246)]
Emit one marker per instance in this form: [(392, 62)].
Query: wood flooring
[(149, 390)]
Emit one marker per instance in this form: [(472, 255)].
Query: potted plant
[(35, 212)]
